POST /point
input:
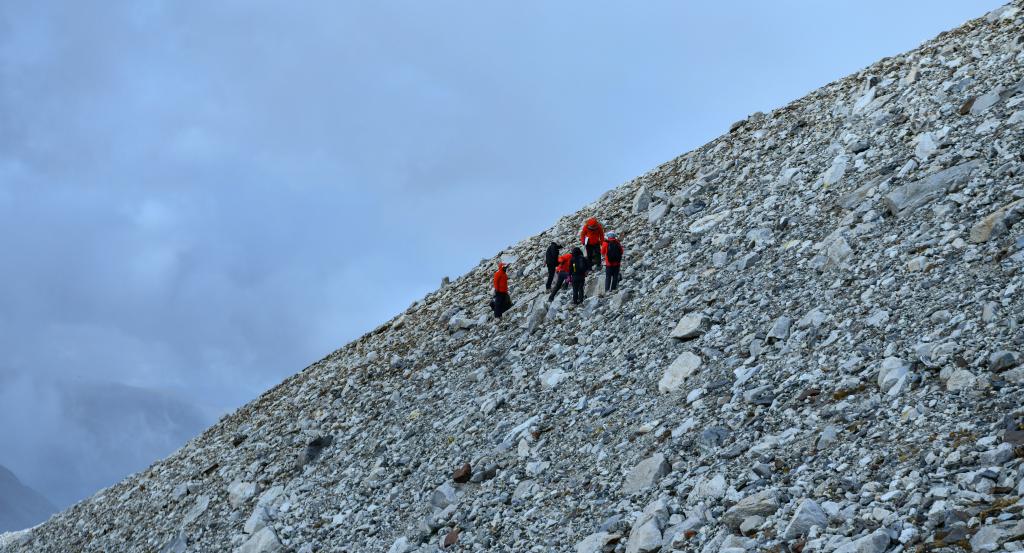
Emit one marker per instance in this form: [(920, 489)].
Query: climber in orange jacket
[(592, 236), (562, 271), (612, 251), (502, 302)]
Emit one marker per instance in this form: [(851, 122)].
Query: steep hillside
[(816, 348), (20, 505)]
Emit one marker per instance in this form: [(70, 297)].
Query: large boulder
[(905, 199)]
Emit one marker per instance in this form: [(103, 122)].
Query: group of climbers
[(572, 267)]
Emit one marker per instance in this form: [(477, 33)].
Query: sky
[(198, 199)]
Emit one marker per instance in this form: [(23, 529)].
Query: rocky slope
[(816, 348), (20, 505)]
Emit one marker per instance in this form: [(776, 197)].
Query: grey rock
[(808, 514), (985, 102), (997, 456), (1003, 360), (780, 329), (264, 541), (907, 198), (657, 212), (690, 326), (875, 542), (641, 201), (762, 503), (595, 543), (646, 474)]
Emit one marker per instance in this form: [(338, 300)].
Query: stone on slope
[(646, 474), (961, 379), (264, 541), (892, 373), (808, 514), (596, 542), (875, 542), (641, 201), (984, 102), (658, 212), (239, 492), (1003, 360), (619, 299), (690, 326), (551, 378), (836, 171), (676, 374), (907, 198), (645, 536), (997, 223), (763, 503)]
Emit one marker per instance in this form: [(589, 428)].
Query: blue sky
[(198, 199)]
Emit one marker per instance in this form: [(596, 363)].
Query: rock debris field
[(817, 347)]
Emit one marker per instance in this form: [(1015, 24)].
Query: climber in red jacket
[(502, 302), (592, 236), (562, 271)]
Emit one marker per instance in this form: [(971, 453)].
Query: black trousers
[(501, 303), (559, 280), (577, 289), (611, 277), (594, 255), (551, 276)]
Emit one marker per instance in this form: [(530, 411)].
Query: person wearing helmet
[(592, 236), (612, 251)]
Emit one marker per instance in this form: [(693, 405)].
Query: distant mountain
[(20, 506)]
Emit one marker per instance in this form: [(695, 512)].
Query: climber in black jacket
[(578, 269), (551, 260)]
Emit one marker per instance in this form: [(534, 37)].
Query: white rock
[(239, 492), (836, 171), (893, 369), (551, 378), (926, 146), (961, 379), (690, 326), (711, 487), (676, 374)]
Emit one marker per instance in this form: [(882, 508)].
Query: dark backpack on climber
[(614, 252)]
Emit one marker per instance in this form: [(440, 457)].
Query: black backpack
[(614, 252), (580, 266)]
